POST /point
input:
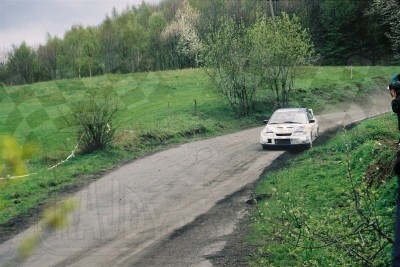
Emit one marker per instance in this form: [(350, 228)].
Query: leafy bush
[(94, 121)]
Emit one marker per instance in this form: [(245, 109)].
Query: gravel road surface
[(179, 207)]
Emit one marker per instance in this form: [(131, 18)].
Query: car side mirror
[(265, 121), (312, 121)]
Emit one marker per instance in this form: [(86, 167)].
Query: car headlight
[(268, 130), (300, 131)]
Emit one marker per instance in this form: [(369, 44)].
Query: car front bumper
[(284, 140)]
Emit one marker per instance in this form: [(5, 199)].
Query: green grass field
[(156, 101), (145, 102), (155, 110)]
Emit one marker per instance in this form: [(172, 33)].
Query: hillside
[(156, 109)]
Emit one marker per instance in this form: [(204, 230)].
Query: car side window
[(310, 117)]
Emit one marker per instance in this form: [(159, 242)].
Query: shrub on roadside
[(94, 121)]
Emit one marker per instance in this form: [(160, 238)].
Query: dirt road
[(132, 212)]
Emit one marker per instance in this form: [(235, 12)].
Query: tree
[(143, 13), (184, 29), (156, 51), (226, 59), (91, 49), (4, 78), (74, 49), (336, 18), (47, 57), (344, 32), (81, 50), (108, 48), (131, 42), (280, 47), (210, 13), (389, 12), (22, 65)]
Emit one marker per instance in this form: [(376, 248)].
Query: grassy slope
[(156, 109), (316, 190)]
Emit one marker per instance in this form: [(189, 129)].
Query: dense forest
[(169, 36)]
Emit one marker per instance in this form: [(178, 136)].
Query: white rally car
[(290, 126)]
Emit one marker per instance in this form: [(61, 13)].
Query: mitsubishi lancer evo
[(290, 127)]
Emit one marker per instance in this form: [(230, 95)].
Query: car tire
[(265, 147), (308, 146)]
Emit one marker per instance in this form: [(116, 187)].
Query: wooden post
[(351, 72), (195, 107)]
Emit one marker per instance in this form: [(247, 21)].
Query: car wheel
[(265, 147), (308, 146)]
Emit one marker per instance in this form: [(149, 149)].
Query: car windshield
[(296, 117)]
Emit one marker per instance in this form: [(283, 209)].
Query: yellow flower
[(13, 156)]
